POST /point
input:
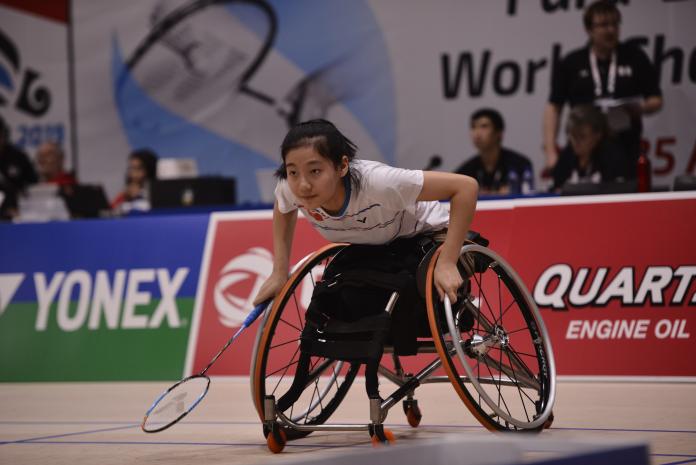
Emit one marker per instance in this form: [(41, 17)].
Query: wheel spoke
[(521, 391), (284, 370), (520, 363), (283, 320), (315, 391), (482, 295), (314, 374), (497, 387), (529, 380), (297, 308), (281, 344), (526, 328), (506, 310)]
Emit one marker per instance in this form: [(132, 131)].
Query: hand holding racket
[(177, 401)]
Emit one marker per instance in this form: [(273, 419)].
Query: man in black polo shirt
[(617, 77), (498, 170)]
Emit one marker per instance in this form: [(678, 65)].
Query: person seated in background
[(16, 173), (142, 169), (498, 170), (50, 161), (592, 155)]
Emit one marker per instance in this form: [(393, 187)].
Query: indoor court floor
[(99, 423)]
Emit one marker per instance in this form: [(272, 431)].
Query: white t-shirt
[(383, 209)]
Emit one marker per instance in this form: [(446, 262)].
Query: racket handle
[(254, 314)]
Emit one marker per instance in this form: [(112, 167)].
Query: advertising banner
[(156, 297), (614, 282), (98, 300), (238, 258), (613, 276), (221, 82), (34, 74)]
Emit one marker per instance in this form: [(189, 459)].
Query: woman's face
[(136, 171), (314, 180), (584, 139)]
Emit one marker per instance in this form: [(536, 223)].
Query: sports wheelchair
[(491, 345)]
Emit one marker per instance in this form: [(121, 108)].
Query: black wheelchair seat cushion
[(346, 319)]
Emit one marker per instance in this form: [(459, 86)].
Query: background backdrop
[(221, 84)]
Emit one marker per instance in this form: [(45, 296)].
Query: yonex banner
[(98, 300)]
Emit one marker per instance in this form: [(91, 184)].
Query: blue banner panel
[(98, 300)]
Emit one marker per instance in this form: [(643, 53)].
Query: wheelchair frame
[(461, 357)]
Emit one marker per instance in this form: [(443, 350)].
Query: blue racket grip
[(254, 314)]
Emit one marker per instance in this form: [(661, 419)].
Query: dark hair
[(493, 115), (4, 130), (323, 137), (587, 115), (149, 160), (600, 7)]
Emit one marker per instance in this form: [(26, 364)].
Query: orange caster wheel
[(549, 421), (413, 413), (381, 436), (276, 439)]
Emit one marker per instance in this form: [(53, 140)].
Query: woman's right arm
[(283, 232)]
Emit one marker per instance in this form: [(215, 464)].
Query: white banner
[(34, 90), (222, 83)]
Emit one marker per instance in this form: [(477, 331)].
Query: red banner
[(237, 259), (615, 283), (613, 278)]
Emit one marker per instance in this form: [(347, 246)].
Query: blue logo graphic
[(336, 46)]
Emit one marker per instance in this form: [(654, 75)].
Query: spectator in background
[(592, 155), (498, 170), (50, 163), (16, 173), (142, 169), (617, 77)]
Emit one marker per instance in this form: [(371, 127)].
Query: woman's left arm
[(461, 191)]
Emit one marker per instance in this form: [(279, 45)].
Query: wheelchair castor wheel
[(276, 439), (413, 413), (549, 421), (381, 436)]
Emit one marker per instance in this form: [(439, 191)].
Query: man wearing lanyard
[(617, 77)]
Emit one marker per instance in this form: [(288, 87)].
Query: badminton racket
[(182, 397)]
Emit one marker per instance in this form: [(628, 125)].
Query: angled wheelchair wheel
[(314, 396), (493, 344)]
